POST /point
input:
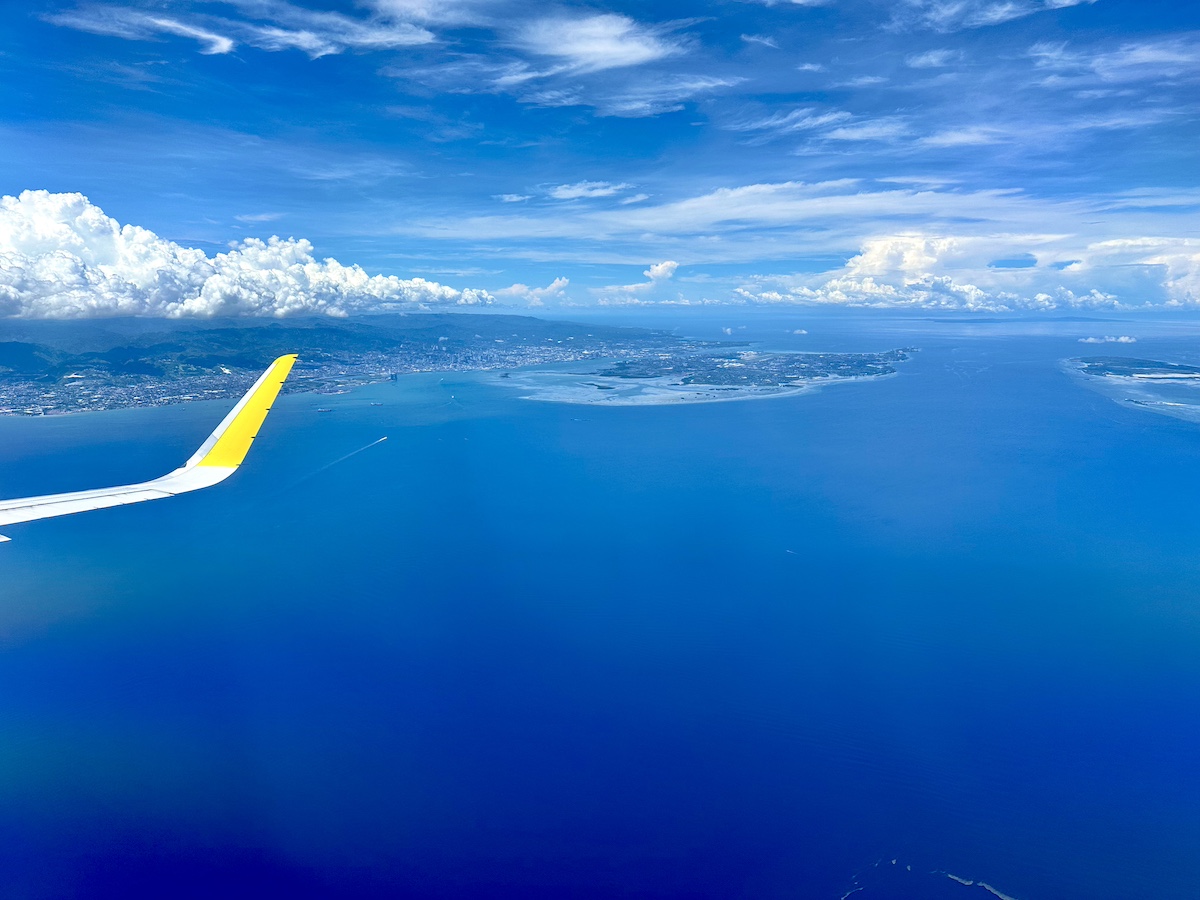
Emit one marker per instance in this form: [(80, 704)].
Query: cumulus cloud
[(661, 271), (933, 272), (1177, 258), (62, 257), (658, 275), (1109, 339), (555, 291)]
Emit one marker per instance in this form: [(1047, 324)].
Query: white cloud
[(661, 271), (62, 257), (933, 59), (963, 137), (598, 61), (762, 39), (441, 12), (587, 190), (1177, 258), (946, 272), (210, 42), (279, 26), (597, 42), (657, 276), (1109, 339), (803, 119), (1163, 59), (511, 198), (133, 24), (877, 130), (915, 241), (555, 290), (654, 96), (951, 15)]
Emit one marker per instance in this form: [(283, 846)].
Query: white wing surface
[(217, 459)]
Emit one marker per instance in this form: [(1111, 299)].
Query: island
[(1168, 388), (703, 375), (1128, 367)]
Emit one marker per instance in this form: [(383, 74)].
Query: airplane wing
[(217, 459)]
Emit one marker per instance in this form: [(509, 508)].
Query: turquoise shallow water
[(541, 650)]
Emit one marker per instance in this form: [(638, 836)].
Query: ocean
[(844, 644)]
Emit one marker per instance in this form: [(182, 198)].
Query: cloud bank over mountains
[(61, 257), (1000, 273)]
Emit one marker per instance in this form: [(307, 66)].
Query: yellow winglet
[(232, 439), (217, 459)]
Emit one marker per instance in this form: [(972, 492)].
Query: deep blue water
[(535, 650)]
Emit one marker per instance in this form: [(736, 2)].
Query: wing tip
[(233, 437)]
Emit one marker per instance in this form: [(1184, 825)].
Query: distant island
[(1168, 388), (1124, 367), (50, 368), (703, 375)]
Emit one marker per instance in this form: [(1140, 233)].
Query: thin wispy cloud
[(878, 130), (657, 95), (761, 39), (275, 26), (136, 25), (1142, 61), (963, 137), (953, 15), (933, 59), (786, 3), (586, 190), (796, 120), (864, 81)]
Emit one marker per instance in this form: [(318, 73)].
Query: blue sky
[(978, 154)]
